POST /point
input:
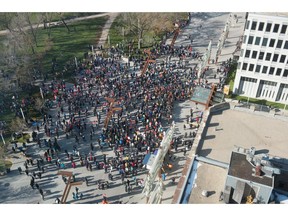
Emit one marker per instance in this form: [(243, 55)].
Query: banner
[(226, 89)]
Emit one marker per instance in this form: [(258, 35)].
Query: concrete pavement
[(16, 185)]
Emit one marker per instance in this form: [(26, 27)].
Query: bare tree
[(17, 125), (139, 24)]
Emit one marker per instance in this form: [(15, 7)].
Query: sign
[(226, 89)]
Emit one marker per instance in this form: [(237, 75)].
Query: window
[(247, 53), (257, 40), (272, 42), (276, 28), (244, 67), (254, 24), (254, 54), (239, 65), (261, 55), (261, 26), (271, 71), (286, 45), (285, 74), (282, 58), (250, 40), (268, 56), (264, 42), (245, 39), (268, 27), (278, 71), (264, 71), (279, 44), (275, 57), (251, 67), (258, 67), (247, 24), (283, 29)]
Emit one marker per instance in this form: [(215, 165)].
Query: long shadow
[(201, 142), (205, 152), (214, 124), (262, 151), (209, 137), (47, 186)]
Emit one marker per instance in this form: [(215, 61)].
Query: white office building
[(262, 70)]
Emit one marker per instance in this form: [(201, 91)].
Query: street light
[(1, 134)]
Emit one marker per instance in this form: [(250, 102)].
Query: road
[(5, 32)]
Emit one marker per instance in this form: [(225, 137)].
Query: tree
[(140, 24), (38, 104), (17, 125), (63, 21)]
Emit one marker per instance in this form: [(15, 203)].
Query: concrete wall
[(194, 150), (264, 192)]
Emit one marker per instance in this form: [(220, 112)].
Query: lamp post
[(22, 114), (41, 92), (76, 64), (2, 138)]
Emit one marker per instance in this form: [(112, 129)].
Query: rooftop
[(272, 14), (241, 168)]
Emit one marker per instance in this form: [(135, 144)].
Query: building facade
[(262, 70)]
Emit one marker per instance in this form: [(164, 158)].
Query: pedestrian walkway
[(145, 94)]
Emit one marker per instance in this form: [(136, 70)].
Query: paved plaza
[(203, 27)]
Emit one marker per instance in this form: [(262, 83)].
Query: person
[(32, 183), (20, 170), (39, 175), (86, 180), (163, 176), (42, 193), (37, 186), (57, 200), (184, 151), (173, 180)]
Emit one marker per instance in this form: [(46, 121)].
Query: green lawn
[(56, 16), (65, 46), (259, 101), (231, 76)]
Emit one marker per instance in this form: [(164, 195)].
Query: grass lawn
[(65, 46), (56, 16), (231, 76), (259, 101)]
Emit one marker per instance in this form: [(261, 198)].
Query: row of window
[(267, 27), (268, 56), (272, 42), (263, 69)]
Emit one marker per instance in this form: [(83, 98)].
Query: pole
[(76, 64), (2, 138), (123, 33), (22, 114), (139, 34), (108, 40), (41, 92)]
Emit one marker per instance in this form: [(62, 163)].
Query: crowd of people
[(140, 106)]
